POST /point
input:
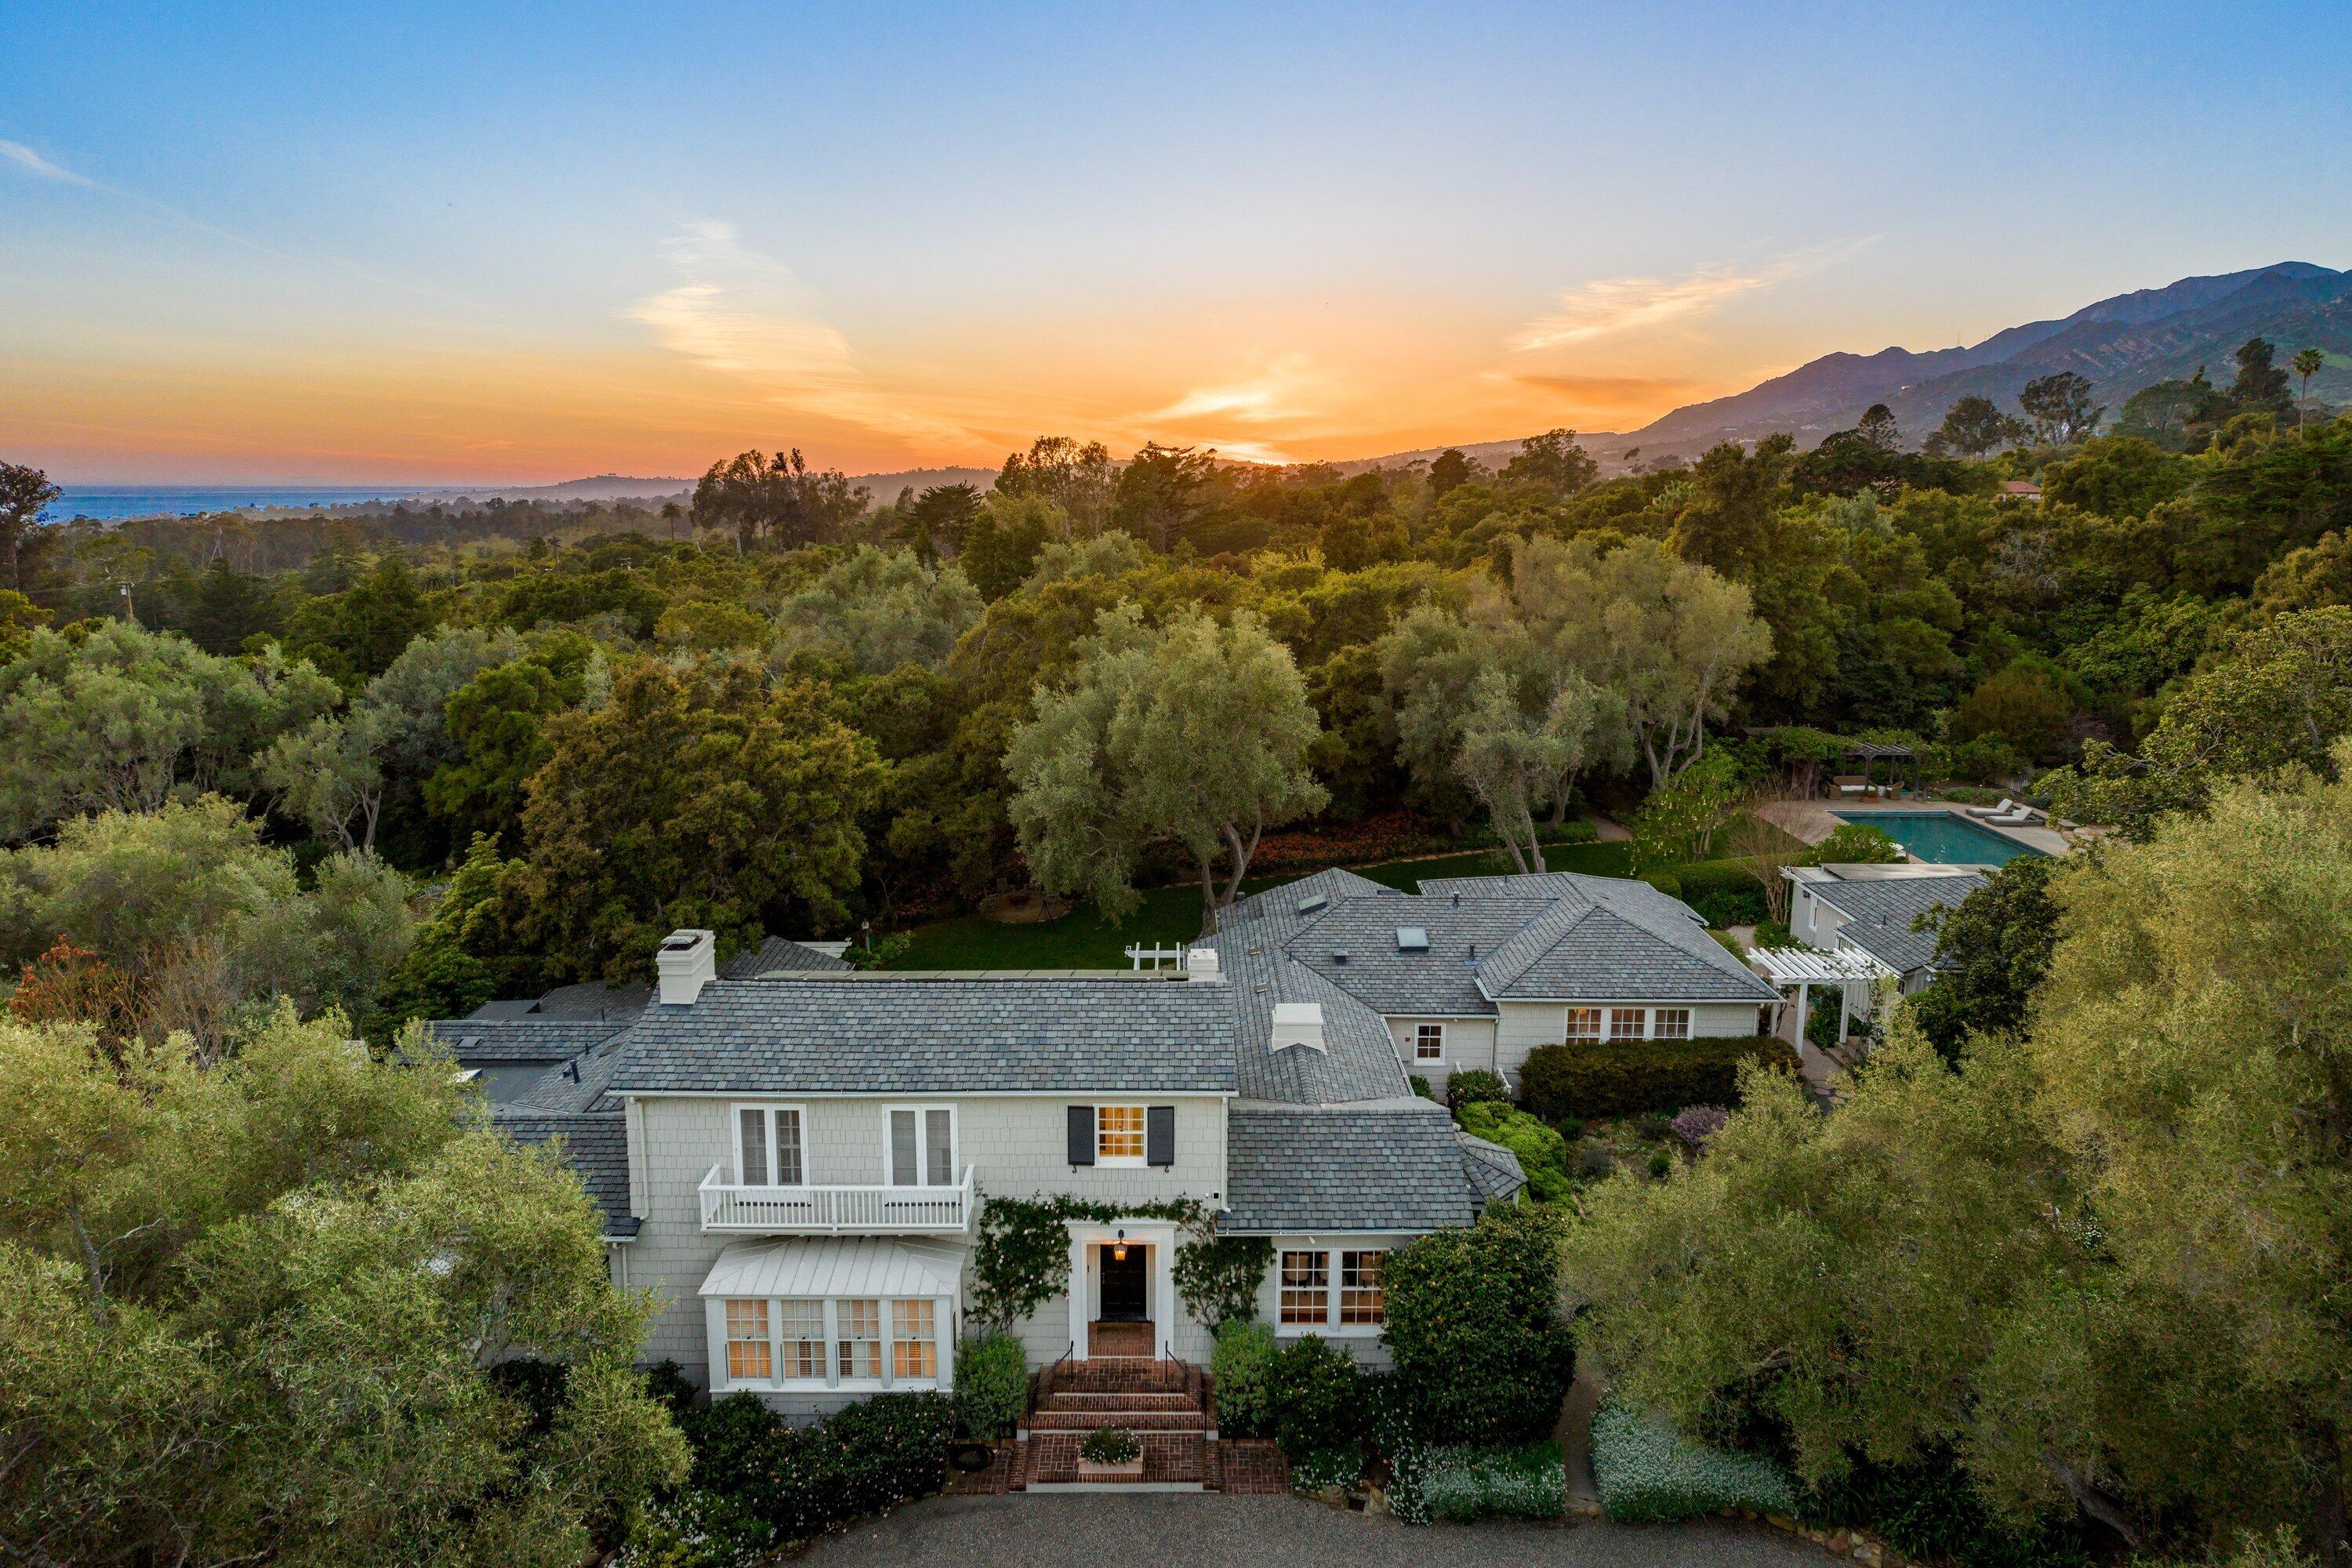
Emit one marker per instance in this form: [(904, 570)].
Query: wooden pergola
[(1806, 967), (1870, 753)]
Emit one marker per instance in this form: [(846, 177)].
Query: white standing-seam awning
[(836, 1266), (1812, 966)]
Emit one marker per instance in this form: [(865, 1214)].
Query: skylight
[(1313, 902), (1412, 939)]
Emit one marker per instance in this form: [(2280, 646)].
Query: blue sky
[(455, 242)]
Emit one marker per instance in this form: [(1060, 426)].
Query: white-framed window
[(1429, 1042), (1119, 1135), (770, 1145), (1362, 1298), (750, 1357), (1306, 1287), (1625, 1023), (922, 1151), (803, 1338), (1670, 1024), (1583, 1025), (858, 1337), (914, 1340)]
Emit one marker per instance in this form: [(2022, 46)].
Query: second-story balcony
[(836, 1210)]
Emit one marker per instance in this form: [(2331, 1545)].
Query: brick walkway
[(1252, 1465)]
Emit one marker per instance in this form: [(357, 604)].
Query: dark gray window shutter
[(1081, 1136), (1159, 1135)]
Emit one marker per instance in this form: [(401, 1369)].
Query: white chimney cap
[(1202, 964), (1297, 1023), (686, 962)]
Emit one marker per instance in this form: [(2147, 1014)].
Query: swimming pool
[(1946, 838)]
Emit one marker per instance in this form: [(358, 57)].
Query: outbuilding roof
[(1881, 910)]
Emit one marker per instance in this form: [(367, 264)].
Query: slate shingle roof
[(1882, 910), (1438, 980), (1492, 1170), (900, 1033), (1357, 1169), (777, 954), (595, 1146), (1358, 1060), (480, 1041)]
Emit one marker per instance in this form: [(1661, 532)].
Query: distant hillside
[(2120, 345), (886, 486), (601, 487)]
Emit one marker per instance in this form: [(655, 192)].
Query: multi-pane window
[(922, 1147), (1671, 1023), (914, 1346), (747, 1358), (1306, 1287), (1625, 1023), (1583, 1024), (1429, 1042), (1361, 1300), (859, 1326), (1118, 1135), (803, 1338), (768, 1145)]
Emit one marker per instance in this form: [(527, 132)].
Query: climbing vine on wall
[(1022, 1258)]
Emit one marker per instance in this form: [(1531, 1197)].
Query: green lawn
[(1084, 940)]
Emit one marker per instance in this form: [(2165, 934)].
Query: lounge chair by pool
[(2004, 809)]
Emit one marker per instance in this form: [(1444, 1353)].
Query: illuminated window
[(1673, 1024), (1118, 1135), (1429, 1042), (914, 1348), (1306, 1287), (1583, 1024), (1625, 1023), (748, 1356), (1361, 1300), (803, 1338), (860, 1324)]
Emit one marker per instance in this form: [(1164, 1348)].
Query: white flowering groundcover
[(1460, 1483), (1650, 1473)]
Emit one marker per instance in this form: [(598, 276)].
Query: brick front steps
[(1161, 1401)]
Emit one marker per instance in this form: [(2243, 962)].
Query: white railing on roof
[(1179, 956), (832, 1210)]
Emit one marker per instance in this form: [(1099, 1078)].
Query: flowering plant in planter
[(1110, 1445)]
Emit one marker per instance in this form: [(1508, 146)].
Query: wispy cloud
[(1608, 306), (740, 313), (1613, 391), (40, 168)]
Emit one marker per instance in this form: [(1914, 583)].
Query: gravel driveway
[(1213, 1530)]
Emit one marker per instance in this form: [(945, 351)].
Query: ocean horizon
[(115, 503)]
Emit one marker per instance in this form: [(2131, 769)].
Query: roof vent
[(1313, 902), (1471, 953), (1202, 964), (1340, 956), (1458, 900), (1412, 939), (1298, 1024)]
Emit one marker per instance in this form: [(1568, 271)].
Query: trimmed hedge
[(992, 1386), (1649, 1473), (803, 1479), (1619, 1078), (1482, 1351), (1724, 892), (1238, 1372)]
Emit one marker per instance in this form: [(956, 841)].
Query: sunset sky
[(495, 243)]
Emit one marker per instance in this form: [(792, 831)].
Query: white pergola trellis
[(1806, 967)]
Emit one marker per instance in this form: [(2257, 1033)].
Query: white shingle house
[(795, 1159)]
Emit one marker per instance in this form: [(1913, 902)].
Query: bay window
[(748, 1352), (914, 1340), (858, 1337), (803, 1337)]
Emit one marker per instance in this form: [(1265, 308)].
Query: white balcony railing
[(827, 1211)]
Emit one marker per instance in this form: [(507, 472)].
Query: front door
[(1124, 1293)]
